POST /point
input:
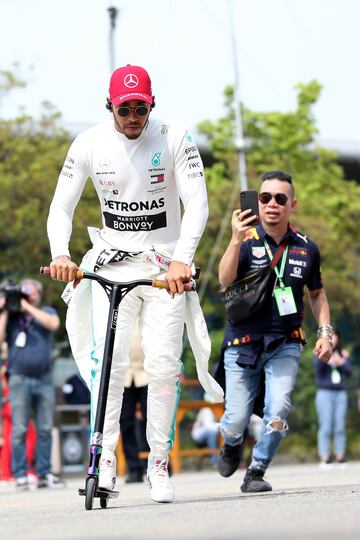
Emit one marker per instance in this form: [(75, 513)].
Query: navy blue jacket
[(34, 359), (267, 329), (302, 268)]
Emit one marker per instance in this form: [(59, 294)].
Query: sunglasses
[(140, 110), (280, 198)]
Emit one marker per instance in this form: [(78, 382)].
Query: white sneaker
[(50, 481), (326, 466), (32, 478), (158, 479), (22, 483), (107, 471), (340, 464)]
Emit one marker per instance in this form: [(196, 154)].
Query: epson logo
[(190, 149)]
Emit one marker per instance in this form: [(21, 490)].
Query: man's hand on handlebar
[(178, 274), (63, 269)]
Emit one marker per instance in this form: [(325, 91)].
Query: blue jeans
[(209, 437), (25, 394), (242, 385), (331, 408)]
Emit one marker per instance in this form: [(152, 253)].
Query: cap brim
[(117, 100)]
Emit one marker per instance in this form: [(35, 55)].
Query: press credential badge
[(21, 339), (285, 301), (284, 296), (335, 376)]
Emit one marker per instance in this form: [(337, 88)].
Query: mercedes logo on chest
[(131, 80)]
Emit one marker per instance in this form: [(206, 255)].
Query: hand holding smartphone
[(249, 200)]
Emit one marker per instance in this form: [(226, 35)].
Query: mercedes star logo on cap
[(131, 80)]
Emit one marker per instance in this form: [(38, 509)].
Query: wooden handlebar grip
[(46, 271), (161, 284)]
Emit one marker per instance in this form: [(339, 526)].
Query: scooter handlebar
[(158, 283), (162, 284), (46, 271)]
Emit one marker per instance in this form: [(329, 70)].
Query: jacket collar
[(290, 233)]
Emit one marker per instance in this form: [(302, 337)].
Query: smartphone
[(249, 200)]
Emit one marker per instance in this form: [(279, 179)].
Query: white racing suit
[(161, 323), (134, 180)]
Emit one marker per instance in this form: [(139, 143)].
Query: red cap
[(130, 82)]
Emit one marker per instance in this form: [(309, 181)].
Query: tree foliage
[(328, 212), (329, 205), (31, 156)]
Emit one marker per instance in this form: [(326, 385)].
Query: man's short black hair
[(279, 175)]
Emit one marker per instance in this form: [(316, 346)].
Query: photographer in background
[(27, 328)]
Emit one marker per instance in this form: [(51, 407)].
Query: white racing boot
[(158, 479), (107, 471)]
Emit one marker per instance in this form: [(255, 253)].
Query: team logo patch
[(258, 251), (156, 159), (251, 233), (296, 272), (104, 163), (159, 178), (131, 80), (296, 251)]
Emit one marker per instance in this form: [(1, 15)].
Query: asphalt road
[(305, 503)]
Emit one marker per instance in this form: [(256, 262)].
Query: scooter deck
[(101, 493)]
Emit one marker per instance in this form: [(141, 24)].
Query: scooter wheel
[(90, 493), (104, 502)]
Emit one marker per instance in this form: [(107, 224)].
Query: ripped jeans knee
[(276, 424), (231, 433)]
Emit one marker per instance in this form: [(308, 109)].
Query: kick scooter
[(116, 292)]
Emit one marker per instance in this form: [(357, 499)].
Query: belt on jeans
[(242, 340), (298, 335), (295, 335)]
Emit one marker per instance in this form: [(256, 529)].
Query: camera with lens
[(13, 295)]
